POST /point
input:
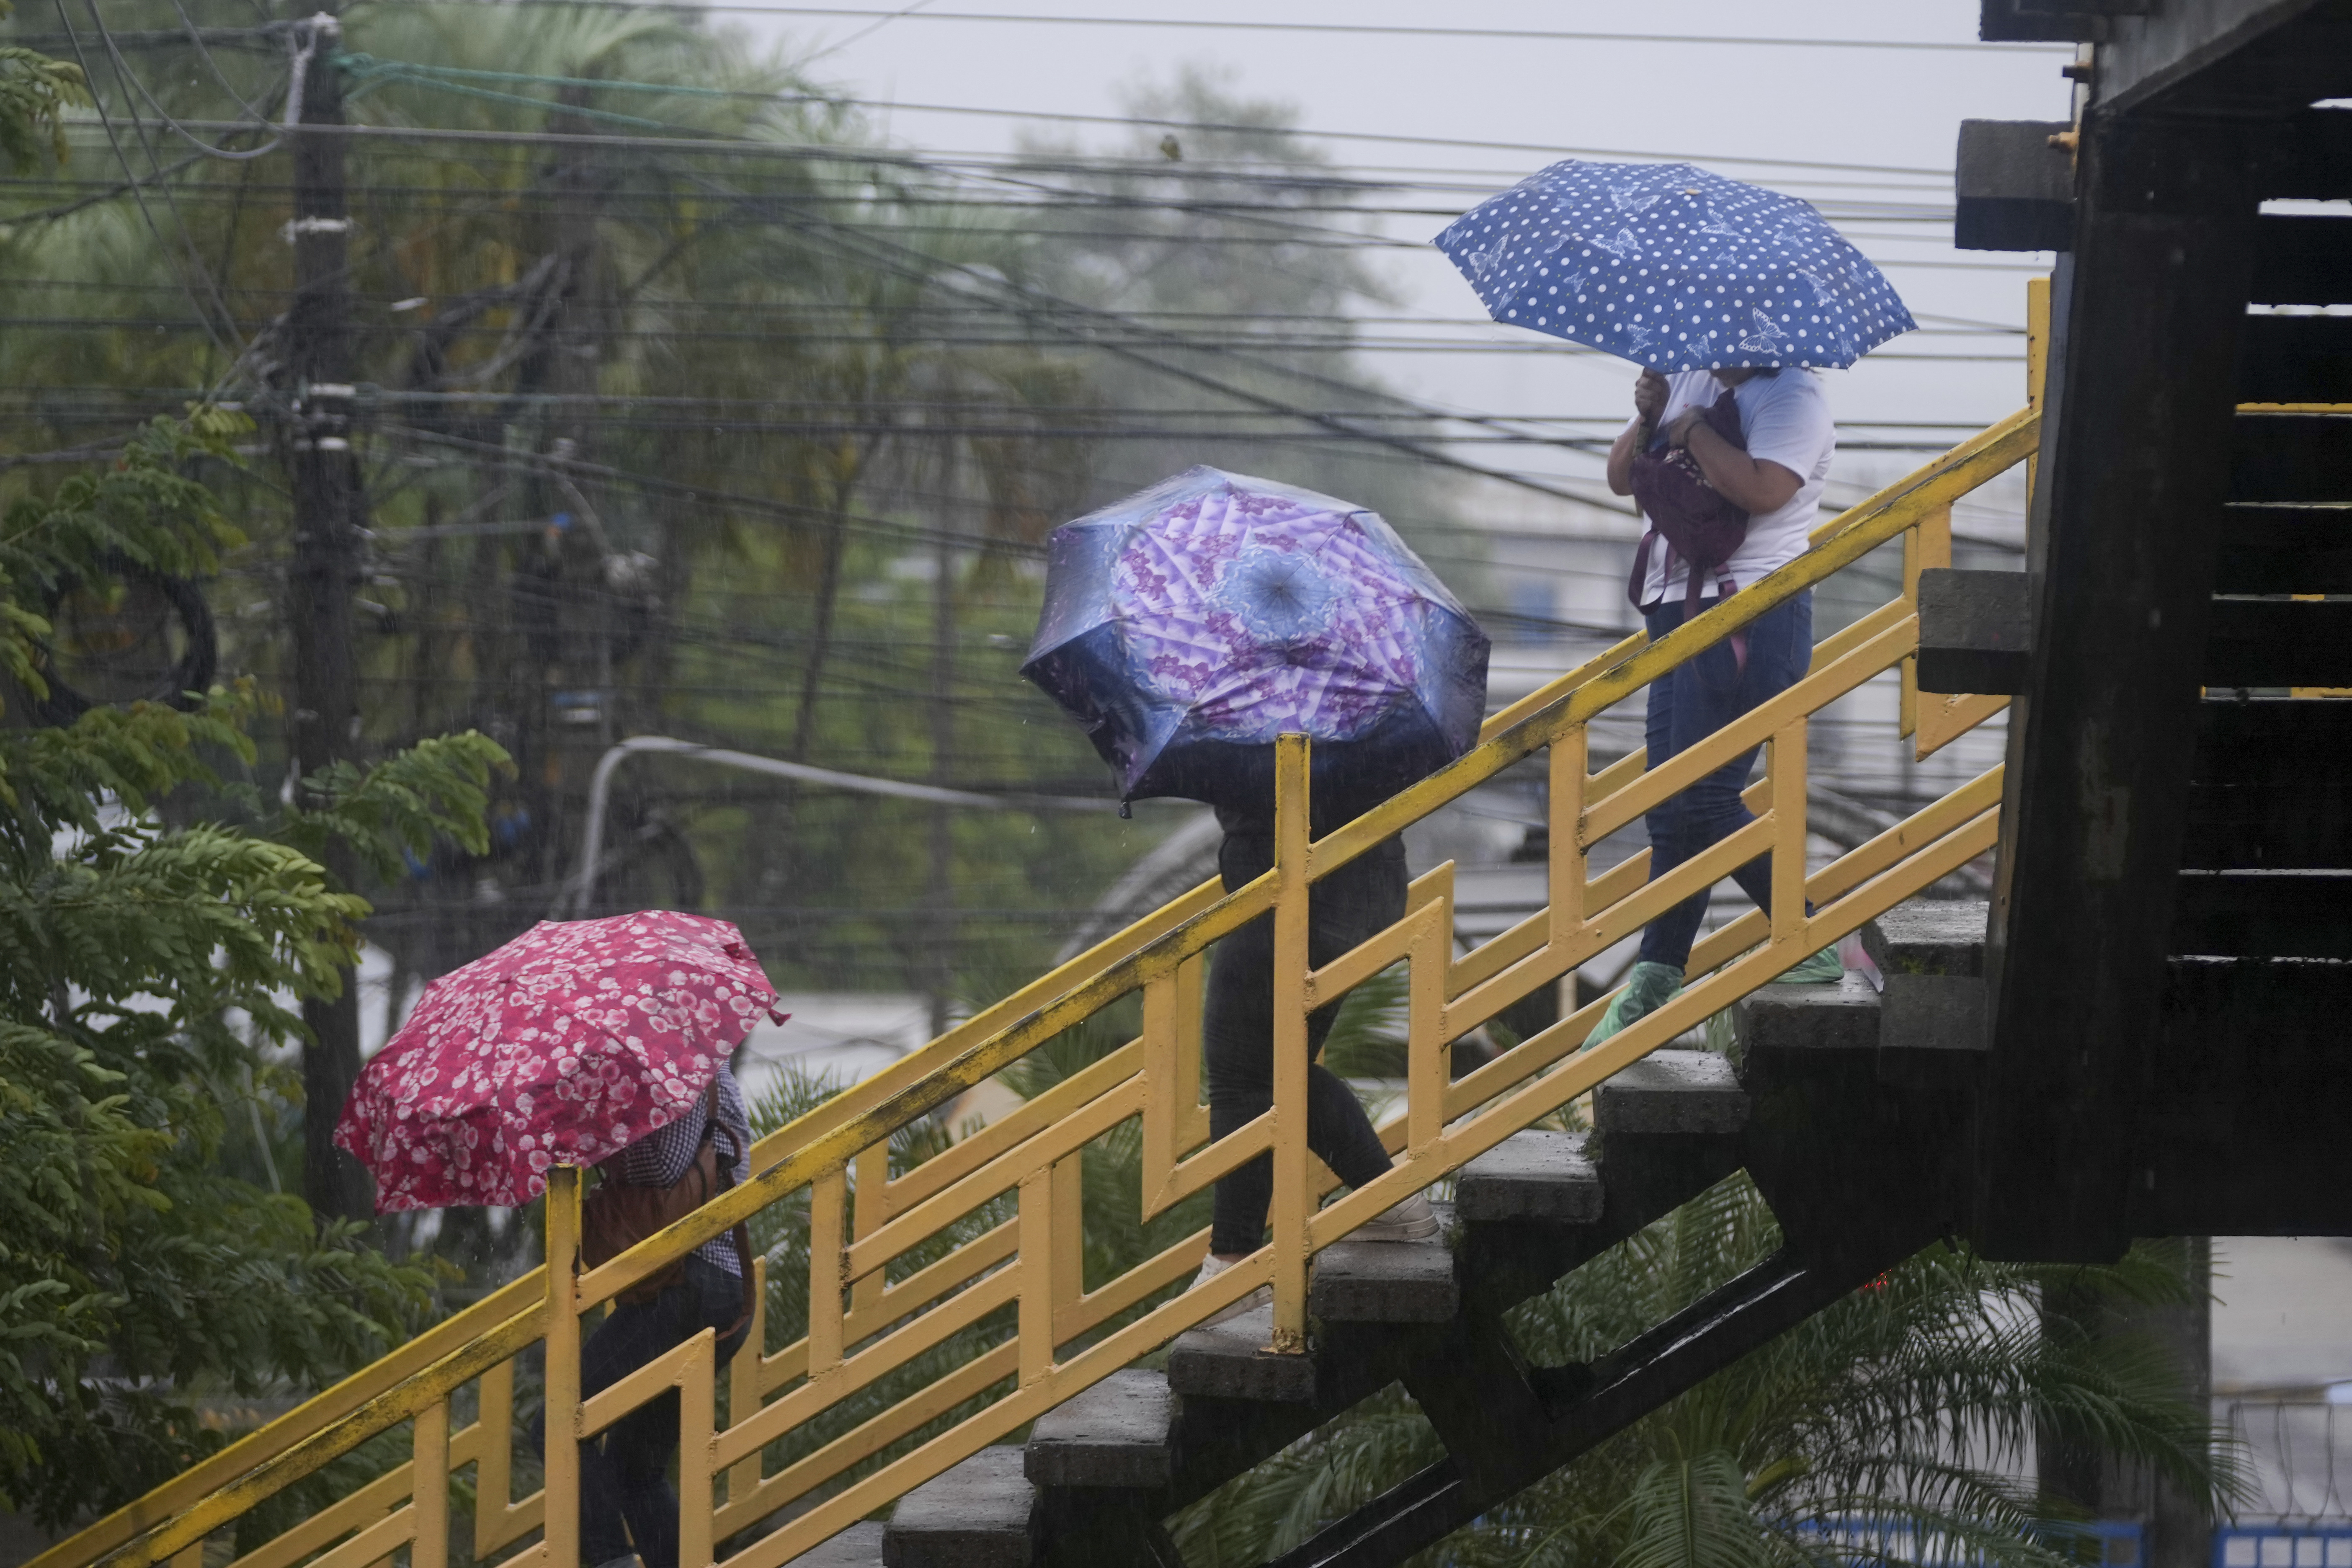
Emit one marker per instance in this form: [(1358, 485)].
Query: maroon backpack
[(1696, 519)]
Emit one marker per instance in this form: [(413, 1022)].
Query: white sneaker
[(1412, 1220), (1210, 1267)]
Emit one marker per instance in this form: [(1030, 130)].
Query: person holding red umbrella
[(580, 1043), (663, 1177)]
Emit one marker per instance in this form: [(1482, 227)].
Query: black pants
[(1361, 898), (624, 1471)]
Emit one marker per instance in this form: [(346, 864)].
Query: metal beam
[(1975, 631), (2014, 186), (2242, 58), (2135, 480)]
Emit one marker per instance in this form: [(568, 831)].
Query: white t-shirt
[(1786, 418)]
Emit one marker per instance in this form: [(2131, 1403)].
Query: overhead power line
[(1362, 29), (419, 74)]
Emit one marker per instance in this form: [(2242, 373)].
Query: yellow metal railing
[(865, 1325)]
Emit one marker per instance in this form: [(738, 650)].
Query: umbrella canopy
[(1189, 625), (563, 1047), (1673, 268)]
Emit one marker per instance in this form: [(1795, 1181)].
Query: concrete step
[(1231, 1361), (1840, 1017), (1673, 1093), (1387, 1281), (1116, 1433), (980, 1514), (859, 1546), (1545, 1176), (1931, 955), (1929, 936)]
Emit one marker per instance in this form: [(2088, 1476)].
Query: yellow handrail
[(864, 1326)]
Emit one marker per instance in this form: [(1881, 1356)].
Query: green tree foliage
[(803, 449), (149, 971), (807, 402), (35, 93)]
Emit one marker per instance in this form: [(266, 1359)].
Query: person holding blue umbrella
[(1728, 296)]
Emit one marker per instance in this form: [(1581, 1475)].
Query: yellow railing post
[(561, 1522), (1564, 873), (1428, 1061), (1928, 544), (1038, 1283), (429, 1472), (828, 1197), (870, 1212), (697, 1429), (2037, 373), (1788, 774), (743, 1381), (1294, 1195), (494, 1466), (1069, 1242)]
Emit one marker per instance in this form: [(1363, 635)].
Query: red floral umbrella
[(563, 1047)]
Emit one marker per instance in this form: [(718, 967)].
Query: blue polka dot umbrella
[(1673, 268), (1189, 625)]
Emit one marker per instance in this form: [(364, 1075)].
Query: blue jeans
[(624, 1471), (1687, 705)]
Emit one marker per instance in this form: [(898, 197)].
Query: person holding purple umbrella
[(1188, 627), (1351, 905)]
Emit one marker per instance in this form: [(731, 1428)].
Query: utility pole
[(573, 709), (329, 513), (941, 963)]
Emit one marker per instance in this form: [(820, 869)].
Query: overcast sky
[(1888, 109)]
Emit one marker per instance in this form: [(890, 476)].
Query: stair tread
[(2270, 786), (859, 1546), (1231, 1361), (2287, 547), (1115, 1434), (1535, 1176), (2300, 260), (977, 1514), (2264, 914), (1844, 1016), (1672, 1092), (1929, 936), (2294, 359), (1387, 1281), (2279, 642)]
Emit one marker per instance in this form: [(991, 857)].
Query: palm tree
[(1898, 1426)]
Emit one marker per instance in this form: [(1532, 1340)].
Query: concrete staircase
[(1850, 1108)]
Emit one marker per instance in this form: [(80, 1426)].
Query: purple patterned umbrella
[(1189, 625)]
